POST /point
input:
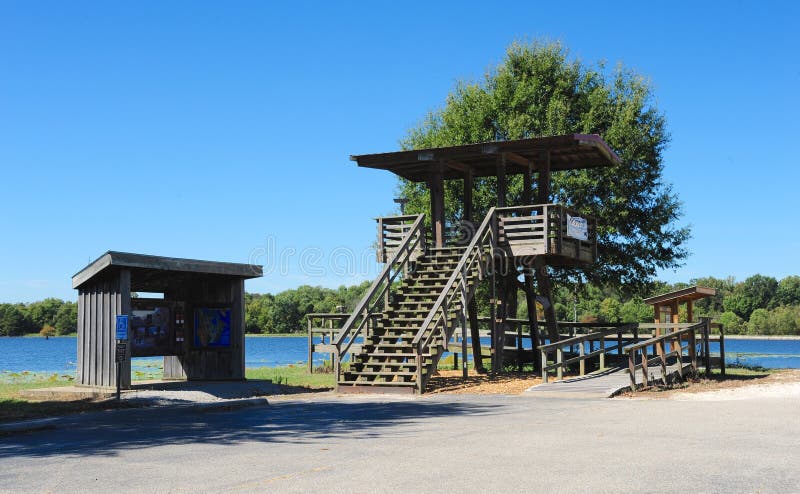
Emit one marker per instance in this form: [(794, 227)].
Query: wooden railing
[(674, 334), (436, 326), (391, 232), (599, 333), (545, 229), (323, 328), (376, 299)]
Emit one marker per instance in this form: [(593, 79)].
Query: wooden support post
[(502, 182), (310, 348), (543, 360), (644, 367), (436, 187), (533, 319), (543, 185), (527, 185), (663, 362), (519, 346), (632, 368), (125, 308), (493, 316), (543, 283), (477, 357), (707, 344), (582, 363), (463, 316), (603, 352), (418, 359), (559, 362), (693, 350), (468, 206), (722, 350), (336, 368), (464, 362)]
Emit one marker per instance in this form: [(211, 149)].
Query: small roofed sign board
[(577, 227)]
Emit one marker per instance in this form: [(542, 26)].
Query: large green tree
[(539, 90)]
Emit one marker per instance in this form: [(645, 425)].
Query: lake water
[(59, 354)]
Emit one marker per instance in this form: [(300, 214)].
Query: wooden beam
[(517, 159), (457, 165)]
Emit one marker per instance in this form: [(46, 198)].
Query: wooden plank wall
[(98, 305), (210, 363)]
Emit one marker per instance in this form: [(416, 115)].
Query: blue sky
[(222, 130)]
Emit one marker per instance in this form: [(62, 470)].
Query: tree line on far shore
[(759, 305), (51, 316)]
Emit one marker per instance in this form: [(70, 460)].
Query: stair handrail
[(379, 287), (470, 255)]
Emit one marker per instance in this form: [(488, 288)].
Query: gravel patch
[(163, 397)]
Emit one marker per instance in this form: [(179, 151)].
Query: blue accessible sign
[(122, 327)]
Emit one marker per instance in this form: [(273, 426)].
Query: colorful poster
[(212, 328), (150, 332)]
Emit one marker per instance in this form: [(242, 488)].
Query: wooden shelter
[(198, 325), (666, 305)]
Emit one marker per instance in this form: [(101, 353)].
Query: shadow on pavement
[(281, 422)]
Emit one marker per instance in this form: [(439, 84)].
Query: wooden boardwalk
[(601, 384)]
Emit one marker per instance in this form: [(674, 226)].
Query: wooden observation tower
[(426, 291)]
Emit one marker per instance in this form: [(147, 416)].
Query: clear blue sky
[(221, 130)]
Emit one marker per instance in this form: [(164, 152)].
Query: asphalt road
[(434, 444)]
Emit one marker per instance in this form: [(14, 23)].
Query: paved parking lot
[(444, 443)]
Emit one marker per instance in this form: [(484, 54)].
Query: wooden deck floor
[(601, 384)]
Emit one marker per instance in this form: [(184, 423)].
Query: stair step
[(386, 364), (377, 383), (383, 374)]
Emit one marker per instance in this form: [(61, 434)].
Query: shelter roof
[(567, 152), (679, 296), (147, 266)]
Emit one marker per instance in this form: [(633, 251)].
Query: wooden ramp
[(602, 384)]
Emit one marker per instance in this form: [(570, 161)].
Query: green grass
[(742, 371), (14, 407), (293, 375)]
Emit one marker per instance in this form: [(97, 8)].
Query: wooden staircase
[(388, 355), (399, 330)]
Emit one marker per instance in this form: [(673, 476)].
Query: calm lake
[(59, 355)]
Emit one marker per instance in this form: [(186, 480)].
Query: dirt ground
[(451, 382), (779, 382)]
